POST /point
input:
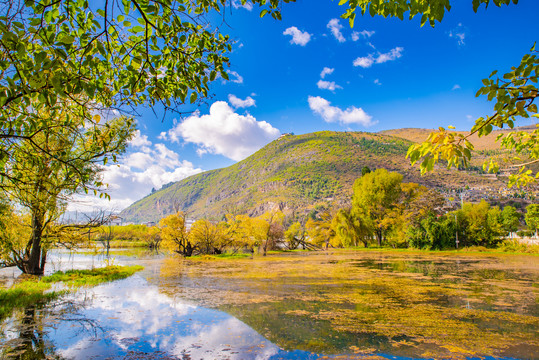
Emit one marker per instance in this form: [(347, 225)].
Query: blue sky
[(381, 74)]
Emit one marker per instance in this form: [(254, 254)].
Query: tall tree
[(207, 237), (67, 164), (480, 224), (271, 225), (376, 195), (511, 219), (174, 234), (350, 228), (532, 217), (319, 229)]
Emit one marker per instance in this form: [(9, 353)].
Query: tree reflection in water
[(26, 334)]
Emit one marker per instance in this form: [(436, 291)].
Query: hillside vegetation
[(295, 173)]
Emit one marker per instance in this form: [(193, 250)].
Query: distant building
[(284, 135), (189, 223)]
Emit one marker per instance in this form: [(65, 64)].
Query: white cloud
[(328, 85), (139, 160), (298, 37), (237, 4), (237, 78), (459, 33), (377, 82), (335, 28), (364, 62), (393, 54), (326, 71), (165, 323), (224, 132), (369, 60), (456, 87), (135, 175), (239, 103), (351, 115), (365, 34), (139, 140)]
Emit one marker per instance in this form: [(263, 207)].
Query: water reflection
[(132, 319), (346, 306), (417, 306)]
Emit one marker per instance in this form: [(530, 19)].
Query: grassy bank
[(33, 290)]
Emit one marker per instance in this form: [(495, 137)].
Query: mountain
[(484, 143), (295, 172)]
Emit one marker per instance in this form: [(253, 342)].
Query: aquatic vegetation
[(77, 278), (23, 294), (416, 304), (32, 290)]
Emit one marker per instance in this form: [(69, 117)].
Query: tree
[(14, 234), (376, 195), (351, 229), (240, 233), (294, 235), (319, 230), (270, 224), (174, 234), (207, 237), (67, 164), (111, 53), (532, 217), (511, 219), (480, 224), (430, 11)]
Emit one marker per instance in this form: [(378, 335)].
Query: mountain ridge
[(295, 173)]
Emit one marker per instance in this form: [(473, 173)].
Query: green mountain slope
[(296, 172)]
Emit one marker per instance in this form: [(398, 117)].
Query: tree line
[(384, 211)]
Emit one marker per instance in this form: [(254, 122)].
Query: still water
[(343, 305)]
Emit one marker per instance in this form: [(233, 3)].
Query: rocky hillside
[(295, 172)]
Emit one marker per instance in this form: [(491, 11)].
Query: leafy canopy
[(97, 56), (429, 10)]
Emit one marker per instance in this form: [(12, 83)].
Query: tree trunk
[(379, 237), (35, 263)]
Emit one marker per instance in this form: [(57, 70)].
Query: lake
[(301, 305)]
